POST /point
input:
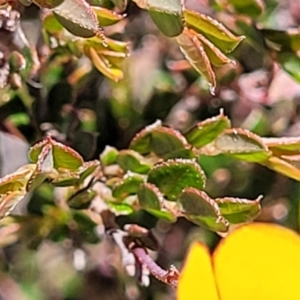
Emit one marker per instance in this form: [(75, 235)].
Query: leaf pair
[(61, 163), (182, 181), (214, 136), (84, 21), (204, 42)]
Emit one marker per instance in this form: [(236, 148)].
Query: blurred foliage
[(82, 81)]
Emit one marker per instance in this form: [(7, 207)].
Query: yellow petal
[(258, 262), (196, 280)]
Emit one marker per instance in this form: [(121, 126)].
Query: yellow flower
[(255, 262)]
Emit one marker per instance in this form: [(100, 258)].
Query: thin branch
[(170, 276)]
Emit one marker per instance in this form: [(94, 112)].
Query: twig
[(170, 276)]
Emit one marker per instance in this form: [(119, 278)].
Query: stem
[(170, 276)]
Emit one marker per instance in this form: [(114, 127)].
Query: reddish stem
[(170, 276)]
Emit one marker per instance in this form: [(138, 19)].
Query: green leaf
[(78, 18), (51, 24), (102, 65), (64, 157), (150, 196), (107, 17), (214, 31), (75, 178), (283, 167), (130, 160), (193, 50), (173, 176), (162, 214), (290, 62), (142, 140), (120, 208), (163, 141), (87, 169), (252, 8), (110, 44), (237, 210), (152, 200), (109, 156), (283, 145), (127, 186), (199, 208), (169, 143), (216, 56), (167, 15), (168, 23), (64, 179), (205, 132), (282, 40), (241, 144), (82, 199)]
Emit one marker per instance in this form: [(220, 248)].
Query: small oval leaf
[(193, 50), (173, 176), (205, 132), (82, 199), (167, 15), (78, 18), (109, 156), (64, 157), (127, 186), (198, 207), (107, 17), (241, 144), (142, 140), (237, 210), (213, 30), (130, 160), (150, 196)]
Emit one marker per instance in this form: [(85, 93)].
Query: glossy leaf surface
[(130, 160), (150, 196), (127, 186), (78, 17), (237, 210), (242, 144), (63, 156), (173, 176), (206, 131), (193, 50), (214, 31), (198, 207)]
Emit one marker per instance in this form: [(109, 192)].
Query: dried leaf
[(193, 50)]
